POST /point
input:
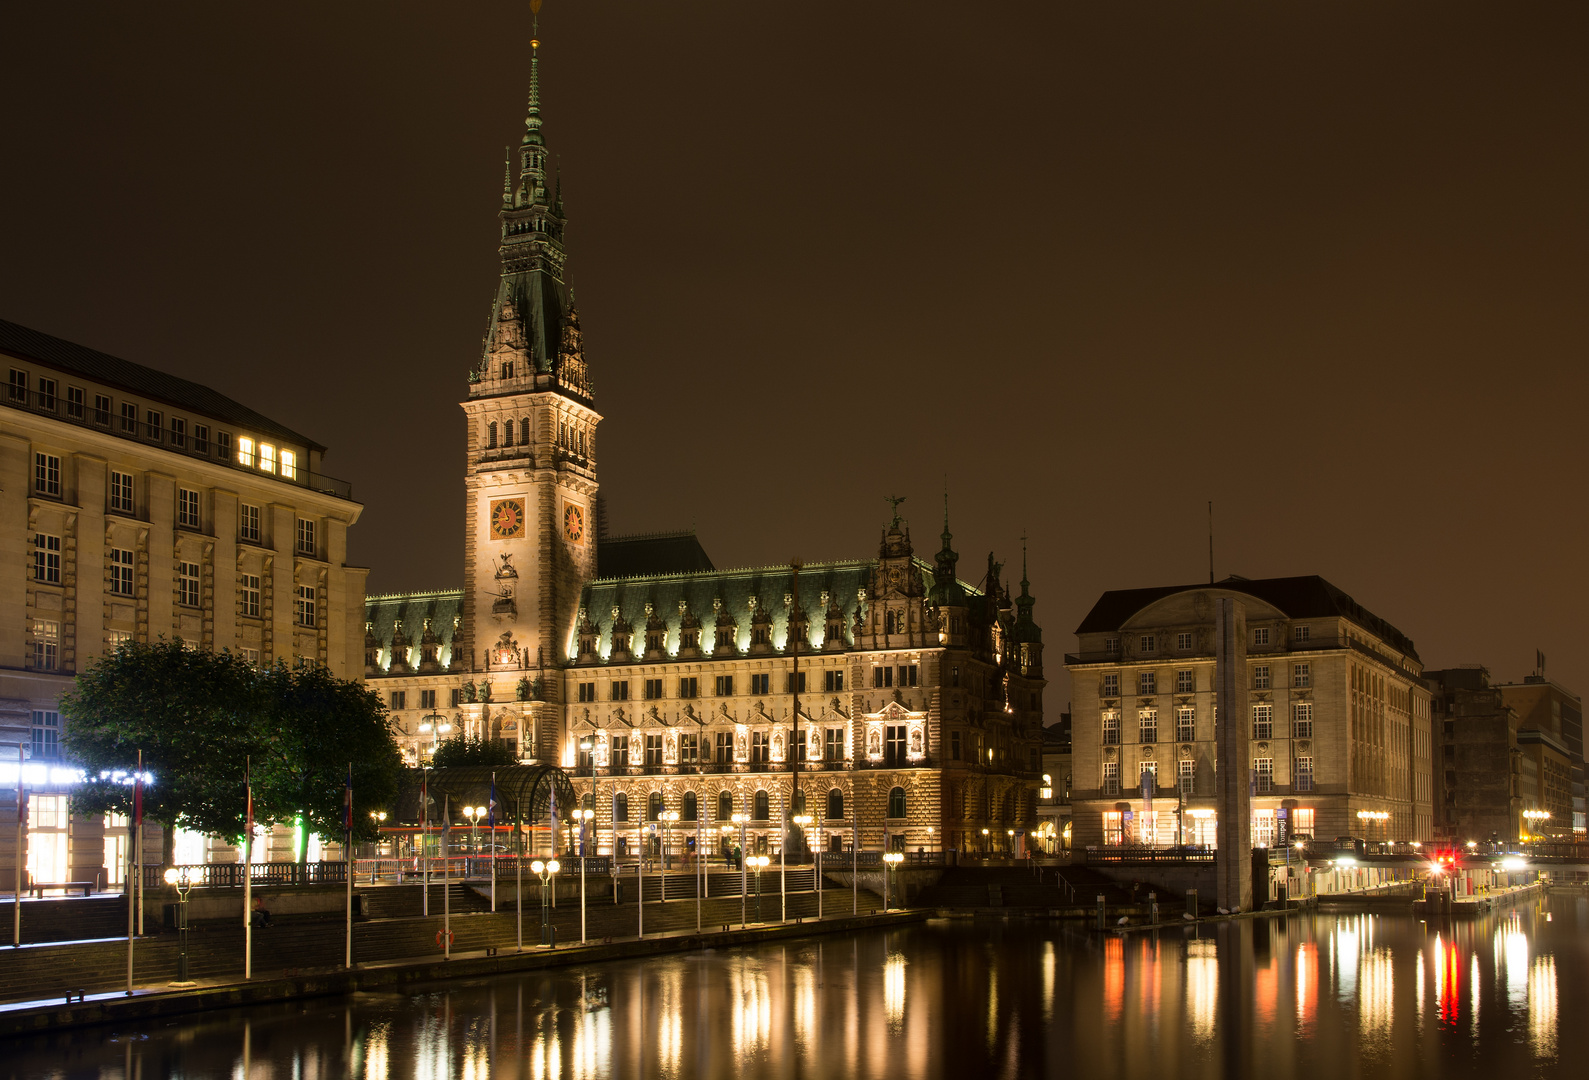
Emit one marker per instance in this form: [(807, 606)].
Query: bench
[(78, 994), (38, 887)]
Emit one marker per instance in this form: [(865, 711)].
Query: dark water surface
[(1322, 996)]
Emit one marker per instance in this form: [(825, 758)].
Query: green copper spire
[(946, 591), (1025, 629), (532, 117), (528, 334)]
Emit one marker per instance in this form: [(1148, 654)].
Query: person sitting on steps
[(261, 915)]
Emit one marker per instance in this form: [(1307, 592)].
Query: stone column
[(1234, 801)]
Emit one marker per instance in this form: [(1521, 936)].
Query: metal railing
[(1146, 855), (230, 875)]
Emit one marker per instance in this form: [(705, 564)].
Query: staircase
[(67, 919)]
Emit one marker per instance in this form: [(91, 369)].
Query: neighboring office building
[(1557, 712), (920, 697), (1339, 717), (1053, 797), (1478, 763), (135, 505)]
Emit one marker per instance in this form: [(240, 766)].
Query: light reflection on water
[(1325, 996)]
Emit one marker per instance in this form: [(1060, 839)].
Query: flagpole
[(491, 847), (248, 873), (347, 863), (138, 824), (518, 872), (22, 812), (127, 879), (424, 844), (446, 901)]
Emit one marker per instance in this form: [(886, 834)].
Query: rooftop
[(1308, 597), (25, 343)]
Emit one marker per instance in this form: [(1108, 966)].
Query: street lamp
[(803, 820), (1536, 820), (891, 861), (984, 843), (545, 871), (182, 879), (667, 817), (741, 820), (435, 725), (758, 863), (584, 823)]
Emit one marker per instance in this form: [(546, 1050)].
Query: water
[(1324, 996)]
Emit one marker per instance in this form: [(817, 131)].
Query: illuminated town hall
[(883, 697)]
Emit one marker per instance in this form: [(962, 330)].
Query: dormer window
[(289, 465), (245, 451), (507, 369), (267, 458)]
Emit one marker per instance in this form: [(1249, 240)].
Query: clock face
[(893, 576), (507, 519), (574, 522)]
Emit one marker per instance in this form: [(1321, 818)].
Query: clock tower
[(529, 540)]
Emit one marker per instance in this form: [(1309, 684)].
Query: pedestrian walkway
[(296, 944), (217, 991)]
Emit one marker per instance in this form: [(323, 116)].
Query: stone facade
[(136, 506), (1338, 718), (921, 713)]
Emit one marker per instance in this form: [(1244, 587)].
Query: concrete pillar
[(1233, 864)]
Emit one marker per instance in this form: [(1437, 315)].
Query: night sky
[(1094, 263)]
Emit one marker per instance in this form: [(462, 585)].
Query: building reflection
[(1315, 995)]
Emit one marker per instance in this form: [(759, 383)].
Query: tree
[(462, 750), (200, 716), (315, 726), (192, 713)]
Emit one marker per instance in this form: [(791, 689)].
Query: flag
[(249, 784), (347, 802), (491, 804)]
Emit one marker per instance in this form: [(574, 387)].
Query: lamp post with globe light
[(758, 863), (1536, 820), (891, 861), (804, 821), (585, 817), (546, 871), (182, 878)]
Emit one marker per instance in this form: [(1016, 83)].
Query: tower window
[(491, 436), (507, 433), (524, 431), (507, 369)]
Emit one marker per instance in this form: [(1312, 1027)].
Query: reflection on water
[(1320, 996)]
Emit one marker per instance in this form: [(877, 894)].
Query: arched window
[(760, 807), (491, 436), (524, 431), (896, 803), (689, 813), (798, 803), (507, 432), (620, 807), (725, 806), (835, 805), (654, 806)]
